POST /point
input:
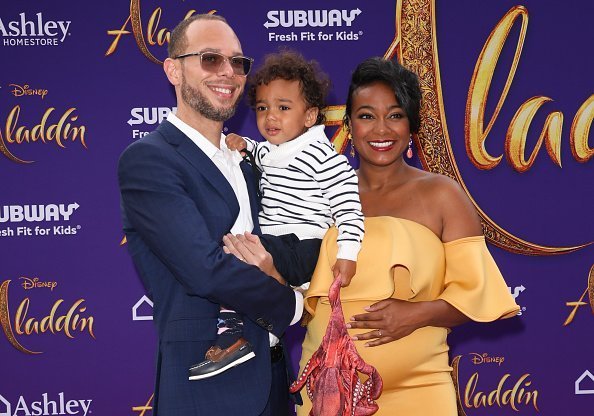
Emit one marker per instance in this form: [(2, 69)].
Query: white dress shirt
[(227, 162)]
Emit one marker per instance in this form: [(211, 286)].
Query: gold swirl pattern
[(137, 31), (455, 378), (5, 320), (591, 287)]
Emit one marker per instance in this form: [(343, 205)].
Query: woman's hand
[(388, 320), (248, 248), (392, 319)]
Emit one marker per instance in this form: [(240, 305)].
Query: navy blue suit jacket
[(176, 208)]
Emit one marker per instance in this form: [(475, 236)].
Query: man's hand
[(248, 248), (235, 142), (346, 269)]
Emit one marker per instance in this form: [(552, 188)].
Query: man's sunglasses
[(212, 62)]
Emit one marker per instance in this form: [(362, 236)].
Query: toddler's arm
[(235, 142), (342, 192)]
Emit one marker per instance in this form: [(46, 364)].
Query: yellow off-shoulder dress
[(405, 260)]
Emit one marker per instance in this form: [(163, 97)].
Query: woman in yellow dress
[(424, 266)]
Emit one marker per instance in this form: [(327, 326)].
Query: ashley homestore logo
[(27, 30), (45, 406)]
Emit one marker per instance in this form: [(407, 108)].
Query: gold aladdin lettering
[(515, 139), (58, 133), (143, 409), (154, 34), (57, 321), (513, 396), (575, 305)]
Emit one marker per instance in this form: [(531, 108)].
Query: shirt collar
[(195, 136)]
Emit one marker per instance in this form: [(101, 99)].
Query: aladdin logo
[(477, 126), (61, 318), (36, 213), (45, 406), (508, 392), (311, 18), (57, 133), (148, 35), (25, 90), (33, 31)]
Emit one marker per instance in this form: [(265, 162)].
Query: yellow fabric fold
[(473, 283), (359, 289)]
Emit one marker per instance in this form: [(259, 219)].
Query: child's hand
[(235, 142), (346, 269)]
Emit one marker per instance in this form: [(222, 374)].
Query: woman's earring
[(409, 152), (350, 137)]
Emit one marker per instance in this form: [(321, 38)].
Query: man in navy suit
[(182, 191)]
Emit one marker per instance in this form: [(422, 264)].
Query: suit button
[(269, 327)]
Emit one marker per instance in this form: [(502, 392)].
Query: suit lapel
[(202, 163)]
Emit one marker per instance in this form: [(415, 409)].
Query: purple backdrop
[(79, 84)]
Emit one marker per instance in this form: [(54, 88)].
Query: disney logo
[(22, 90), (484, 358), (35, 283)]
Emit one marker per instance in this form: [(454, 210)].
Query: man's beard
[(200, 103)]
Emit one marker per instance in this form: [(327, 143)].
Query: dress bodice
[(406, 260)]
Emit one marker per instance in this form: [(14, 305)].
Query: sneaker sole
[(228, 366)]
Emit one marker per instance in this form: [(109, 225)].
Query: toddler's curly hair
[(292, 66)]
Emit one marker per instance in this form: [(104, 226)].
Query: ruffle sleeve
[(473, 283)]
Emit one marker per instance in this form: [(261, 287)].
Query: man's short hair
[(178, 41)]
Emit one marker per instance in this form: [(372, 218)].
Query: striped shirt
[(307, 187)]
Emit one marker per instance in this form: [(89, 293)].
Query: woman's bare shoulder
[(450, 201), (437, 185)]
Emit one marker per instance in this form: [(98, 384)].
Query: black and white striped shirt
[(306, 188)]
